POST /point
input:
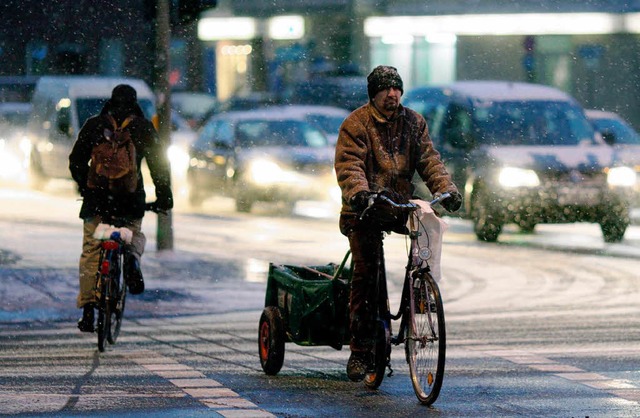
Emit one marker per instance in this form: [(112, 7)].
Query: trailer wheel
[(271, 340)]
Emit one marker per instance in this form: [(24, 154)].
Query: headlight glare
[(621, 177), (268, 172), (511, 177)]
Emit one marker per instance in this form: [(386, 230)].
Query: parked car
[(327, 118), (625, 140), (260, 155), (526, 154)]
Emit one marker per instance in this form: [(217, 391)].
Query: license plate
[(578, 196)]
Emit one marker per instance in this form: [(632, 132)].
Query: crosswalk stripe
[(207, 391)]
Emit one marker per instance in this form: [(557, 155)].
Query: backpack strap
[(125, 122), (112, 121)]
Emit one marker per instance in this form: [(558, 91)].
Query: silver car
[(260, 155)]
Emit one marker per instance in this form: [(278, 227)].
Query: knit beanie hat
[(381, 78), (124, 94)]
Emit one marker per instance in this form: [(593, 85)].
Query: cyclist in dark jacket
[(380, 146), (101, 203)]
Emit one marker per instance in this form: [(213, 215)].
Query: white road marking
[(207, 391), (624, 389)]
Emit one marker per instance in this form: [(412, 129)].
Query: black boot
[(133, 274), (85, 324), (359, 363)]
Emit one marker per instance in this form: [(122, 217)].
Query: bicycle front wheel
[(381, 353), (426, 339)]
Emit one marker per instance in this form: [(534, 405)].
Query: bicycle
[(111, 288), (308, 305), (421, 314)]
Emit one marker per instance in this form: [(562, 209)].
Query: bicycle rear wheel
[(426, 339), (118, 296), (117, 311)]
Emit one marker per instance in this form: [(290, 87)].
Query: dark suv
[(525, 154)]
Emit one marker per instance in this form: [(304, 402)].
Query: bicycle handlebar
[(152, 207), (408, 206)]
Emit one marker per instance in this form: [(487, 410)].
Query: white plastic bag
[(104, 231), (431, 228)]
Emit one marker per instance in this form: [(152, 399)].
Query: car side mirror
[(63, 123), (222, 144), (609, 137), (460, 138)]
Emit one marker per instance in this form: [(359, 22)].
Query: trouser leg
[(365, 246), (88, 263), (136, 248)]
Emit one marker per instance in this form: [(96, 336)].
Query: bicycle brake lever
[(439, 198), (370, 202)]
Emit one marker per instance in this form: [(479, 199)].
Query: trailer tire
[(271, 339)]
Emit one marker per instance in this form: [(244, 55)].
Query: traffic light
[(189, 10)]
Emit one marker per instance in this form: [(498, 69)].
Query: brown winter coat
[(373, 153)]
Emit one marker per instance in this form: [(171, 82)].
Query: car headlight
[(179, 159), (511, 177), (11, 165), (266, 172), (621, 177)]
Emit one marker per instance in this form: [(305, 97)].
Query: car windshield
[(532, 123), (624, 133), (92, 106), (261, 133), (329, 124), (426, 108)]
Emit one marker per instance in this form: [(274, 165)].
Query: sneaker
[(85, 324), (133, 274), (359, 363)]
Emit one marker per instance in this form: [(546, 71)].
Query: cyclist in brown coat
[(379, 148)]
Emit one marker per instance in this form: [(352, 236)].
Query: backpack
[(113, 160)]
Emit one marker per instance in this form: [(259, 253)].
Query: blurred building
[(110, 37), (589, 49)]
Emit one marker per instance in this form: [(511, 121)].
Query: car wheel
[(614, 224), (37, 178), (243, 204), (195, 196), (487, 223), (527, 226)]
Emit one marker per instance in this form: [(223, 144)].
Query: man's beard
[(390, 105)]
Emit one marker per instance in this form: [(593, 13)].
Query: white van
[(61, 105)]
